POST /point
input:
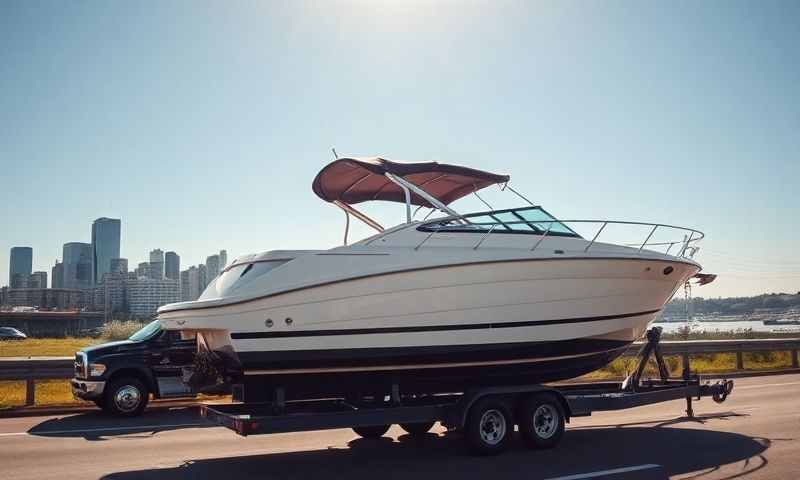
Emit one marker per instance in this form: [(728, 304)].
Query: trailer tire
[(419, 428), (375, 431), (541, 421), (126, 397), (488, 427)]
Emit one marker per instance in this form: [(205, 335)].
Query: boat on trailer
[(433, 305)]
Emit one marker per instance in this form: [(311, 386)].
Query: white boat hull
[(575, 312)]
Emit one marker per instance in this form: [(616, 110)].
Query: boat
[(434, 304)]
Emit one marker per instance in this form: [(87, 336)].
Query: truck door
[(169, 355)]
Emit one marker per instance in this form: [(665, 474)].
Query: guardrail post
[(795, 363), (30, 392), (739, 360)]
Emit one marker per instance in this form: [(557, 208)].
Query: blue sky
[(202, 124)]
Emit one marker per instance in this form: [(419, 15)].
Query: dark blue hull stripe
[(430, 328)]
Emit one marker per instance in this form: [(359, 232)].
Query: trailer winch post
[(650, 348)]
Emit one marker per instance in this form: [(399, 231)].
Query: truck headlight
[(96, 369)]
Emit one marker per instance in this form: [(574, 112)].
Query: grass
[(46, 347), (710, 363), (48, 392)]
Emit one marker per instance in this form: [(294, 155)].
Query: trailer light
[(96, 369)]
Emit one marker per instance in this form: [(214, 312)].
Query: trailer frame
[(454, 410)]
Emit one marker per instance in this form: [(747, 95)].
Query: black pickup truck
[(121, 376)]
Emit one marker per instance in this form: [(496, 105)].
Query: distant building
[(194, 280), (119, 265), (37, 280), (212, 268), (145, 295), (202, 276), (113, 295), (105, 246), (142, 270), (172, 266), (186, 295), (156, 264), (223, 259), (57, 275), (19, 280), (48, 298), (21, 264), (77, 265)]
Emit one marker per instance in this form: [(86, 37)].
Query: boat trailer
[(485, 415)]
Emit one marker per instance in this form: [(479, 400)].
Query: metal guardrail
[(61, 368)]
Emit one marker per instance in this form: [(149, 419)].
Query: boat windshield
[(237, 277), (529, 220)]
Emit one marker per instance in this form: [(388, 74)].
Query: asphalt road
[(754, 435)]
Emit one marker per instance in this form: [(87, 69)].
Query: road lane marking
[(601, 473), (762, 385), (104, 429)]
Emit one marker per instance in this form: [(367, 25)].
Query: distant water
[(710, 326)]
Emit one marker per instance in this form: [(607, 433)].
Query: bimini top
[(355, 180)]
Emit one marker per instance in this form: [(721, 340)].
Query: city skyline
[(78, 250), (689, 118)]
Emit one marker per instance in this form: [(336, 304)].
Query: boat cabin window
[(530, 220), (237, 277)]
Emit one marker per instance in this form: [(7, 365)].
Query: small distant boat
[(781, 322)]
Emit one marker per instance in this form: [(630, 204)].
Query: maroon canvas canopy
[(355, 180)]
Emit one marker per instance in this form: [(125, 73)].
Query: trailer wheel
[(420, 428), (489, 427), (541, 421), (371, 431)]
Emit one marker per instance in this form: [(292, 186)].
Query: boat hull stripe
[(430, 328)]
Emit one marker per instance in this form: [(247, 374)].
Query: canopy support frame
[(359, 215)]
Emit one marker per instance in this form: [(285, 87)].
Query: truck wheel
[(541, 421), (420, 428), (125, 397), (371, 431), (489, 427)]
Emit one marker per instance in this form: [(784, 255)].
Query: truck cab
[(121, 376)]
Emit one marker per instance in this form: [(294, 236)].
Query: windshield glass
[(237, 277), (148, 331), (530, 220)]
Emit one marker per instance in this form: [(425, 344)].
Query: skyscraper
[(105, 246), (21, 264), (119, 265), (37, 280), (172, 265), (212, 268), (57, 274), (156, 264), (223, 259), (77, 265)]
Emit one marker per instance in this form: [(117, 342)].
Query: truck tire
[(489, 427), (371, 431), (541, 421), (420, 428), (125, 397)]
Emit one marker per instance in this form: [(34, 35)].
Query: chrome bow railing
[(687, 244)]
